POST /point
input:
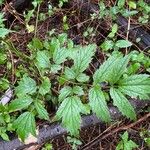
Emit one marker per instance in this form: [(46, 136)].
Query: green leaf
[(64, 92), (78, 90), (4, 136), (132, 4), (69, 111), (25, 124), (83, 57), (43, 114), (26, 86), (4, 32), (136, 85), (118, 70), (3, 58), (107, 45), (121, 3), (130, 145), (123, 43), (60, 55), (55, 68), (45, 86), (128, 13), (69, 73), (114, 30), (37, 43), (20, 103), (82, 77), (122, 103), (103, 73), (98, 104), (42, 59)]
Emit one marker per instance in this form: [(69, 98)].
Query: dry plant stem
[(37, 18), (103, 135), (128, 30)]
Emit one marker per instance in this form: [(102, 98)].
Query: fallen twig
[(107, 134)]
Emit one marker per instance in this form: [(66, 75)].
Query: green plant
[(125, 143), (6, 121), (61, 2), (60, 70), (145, 134), (3, 31), (47, 146), (74, 142)]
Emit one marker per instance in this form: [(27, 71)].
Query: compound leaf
[(25, 124), (98, 104), (122, 103)]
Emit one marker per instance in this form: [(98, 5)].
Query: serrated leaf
[(43, 114), (69, 73), (26, 86), (121, 3), (78, 90), (130, 145), (83, 57), (82, 77), (69, 111), (103, 73), (55, 68), (136, 85), (98, 104), (4, 32), (118, 69), (45, 86), (37, 43), (42, 59), (122, 104), (114, 30), (107, 45), (64, 92), (128, 13), (20, 103), (60, 55), (25, 124), (123, 43)]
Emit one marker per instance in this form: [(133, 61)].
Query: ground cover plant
[(54, 78)]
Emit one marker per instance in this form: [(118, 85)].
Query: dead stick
[(101, 136)]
